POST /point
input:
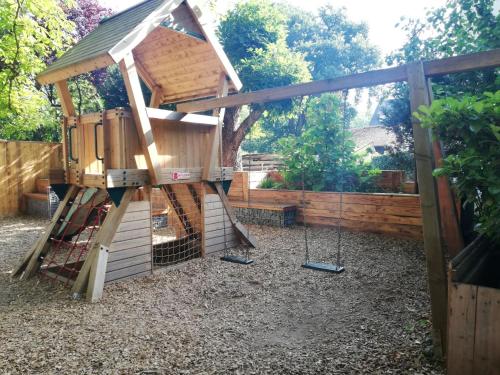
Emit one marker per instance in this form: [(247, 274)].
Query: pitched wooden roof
[(174, 48)]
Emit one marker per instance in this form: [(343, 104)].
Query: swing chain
[(345, 94)]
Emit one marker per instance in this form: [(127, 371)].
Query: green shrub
[(322, 155), (470, 131), (404, 161)]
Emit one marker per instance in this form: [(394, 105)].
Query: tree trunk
[(233, 135)]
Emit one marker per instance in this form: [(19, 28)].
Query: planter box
[(474, 311)]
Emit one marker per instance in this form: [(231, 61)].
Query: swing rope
[(345, 93), (322, 266)]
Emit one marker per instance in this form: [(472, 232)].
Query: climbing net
[(176, 224), (68, 248)]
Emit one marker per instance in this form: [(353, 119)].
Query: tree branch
[(245, 126)]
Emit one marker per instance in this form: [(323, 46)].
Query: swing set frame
[(441, 227)]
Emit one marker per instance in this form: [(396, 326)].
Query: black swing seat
[(236, 259), (325, 267)]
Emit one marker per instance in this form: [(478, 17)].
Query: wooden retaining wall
[(21, 163), (391, 214)]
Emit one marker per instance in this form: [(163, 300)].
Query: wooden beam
[(68, 109), (450, 224), (436, 270), (214, 137), (97, 275), (141, 119), (462, 63), (186, 118), (156, 97), (55, 75), (104, 237), (450, 65), (376, 77)]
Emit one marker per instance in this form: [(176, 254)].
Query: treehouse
[(102, 229)]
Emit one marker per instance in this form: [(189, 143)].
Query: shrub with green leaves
[(396, 160), (323, 154), (470, 131)]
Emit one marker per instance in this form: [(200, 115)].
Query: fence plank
[(21, 164)]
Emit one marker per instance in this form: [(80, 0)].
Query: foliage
[(112, 89), (267, 183), (322, 156), (30, 32), (331, 45), (253, 35), (470, 128), (250, 26), (86, 15), (404, 161), (459, 27), (334, 45)]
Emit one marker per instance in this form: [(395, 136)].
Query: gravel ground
[(211, 317)]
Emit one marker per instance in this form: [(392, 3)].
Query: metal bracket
[(116, 195)]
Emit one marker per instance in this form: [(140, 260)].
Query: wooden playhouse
[(102, 230)]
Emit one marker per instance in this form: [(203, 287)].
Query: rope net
[(176, 224), (69, 247)]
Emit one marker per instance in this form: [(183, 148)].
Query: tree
[(253, 35), (323, 156), (459, 27), (333, 46), (30, 32), (86, 15)]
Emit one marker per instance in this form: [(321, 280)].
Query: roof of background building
[(372, 136)]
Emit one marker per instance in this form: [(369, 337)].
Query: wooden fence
[(391, 214), (21, 163)]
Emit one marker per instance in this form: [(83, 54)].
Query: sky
[(380, 15)]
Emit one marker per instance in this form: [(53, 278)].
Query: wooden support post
[(419, 95), (141, 119), (450, 223), (215, 135), (245, 185), (30, 263), (104, 237), (67, 107), (68, 110), (156, 96), (98, 275)]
